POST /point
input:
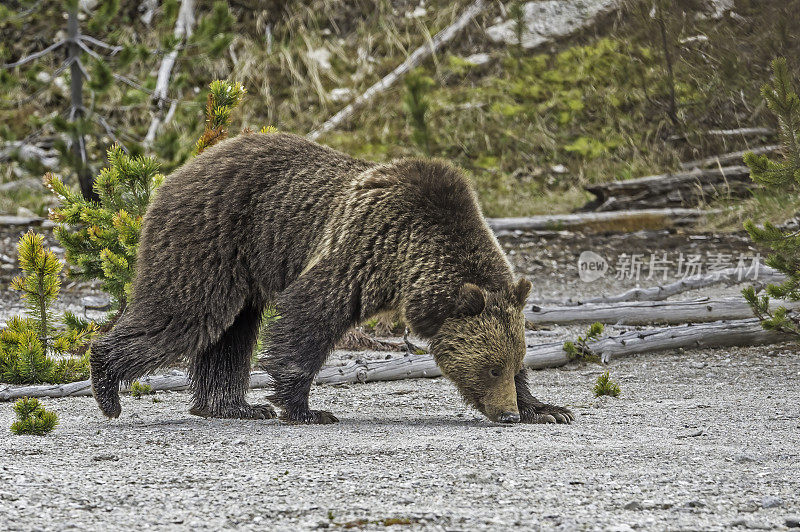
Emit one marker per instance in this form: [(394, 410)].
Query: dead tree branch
[(646, 312), (413, 60), (183, 30), (632, 220), (717, 334), (763, 275), (728, 158)]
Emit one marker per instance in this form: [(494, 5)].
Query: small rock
[(693, 434), (619, 528), (478, 59), (22, 212), (633, 505), (322, 57), (341, 94), (44, 77), (96, 303), (105, 458), (771, 502), (793, 521), (559, 169)]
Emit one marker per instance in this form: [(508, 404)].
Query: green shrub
[(579, 349), (605, 386), (139, 390), (781, 177), (32, 418), (36, 348)]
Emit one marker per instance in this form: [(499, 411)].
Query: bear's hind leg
[(126, 353), (220, 374)]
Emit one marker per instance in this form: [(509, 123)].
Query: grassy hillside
[(531, 127)]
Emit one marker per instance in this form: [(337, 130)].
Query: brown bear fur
[(330, 241)]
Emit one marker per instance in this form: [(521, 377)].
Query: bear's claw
[(309, 417), (245, 411), (544, 413)]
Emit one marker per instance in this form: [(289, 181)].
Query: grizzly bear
[(329, 240)]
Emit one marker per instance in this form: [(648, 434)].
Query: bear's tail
[(105, 384)]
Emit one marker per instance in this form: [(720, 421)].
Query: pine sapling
[(138, 390), (39, 348), (223, 96), (605, 386), (579, 349), (781, 176), (32, 418), (101, 239)]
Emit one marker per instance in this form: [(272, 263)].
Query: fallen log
[(763, 275), (743, 131), (717, 334), (645, 312), (635, 220), (747, 332), (728, 158), (413, 60), (683, 189)]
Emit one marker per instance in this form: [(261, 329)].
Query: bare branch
[(88, 50), (110, 131), (97, 42), (135, 85), (37, 55), (416, 57)]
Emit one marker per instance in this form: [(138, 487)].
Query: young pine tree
[(782, 176), (223, 97), (101, 239), (37, 348), (32, 418)]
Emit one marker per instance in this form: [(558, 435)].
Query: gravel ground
[(704, 440), (699, 440)]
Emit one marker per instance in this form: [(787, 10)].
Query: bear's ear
[(521, 291), (471, 301)]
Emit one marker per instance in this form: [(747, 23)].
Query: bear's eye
[(495, 372)]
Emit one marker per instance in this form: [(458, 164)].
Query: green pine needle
[(605, 386), (32, 418), (783, 175)]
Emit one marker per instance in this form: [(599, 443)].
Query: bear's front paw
[(543, 413), (309, 417)]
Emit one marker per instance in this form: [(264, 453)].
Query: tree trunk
[(762, 275), (76, 109), (684, 189), (634, 220), (184, 25)]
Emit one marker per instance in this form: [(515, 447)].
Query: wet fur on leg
[(220, 376)]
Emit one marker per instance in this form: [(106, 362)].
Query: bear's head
[(480, 347)]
